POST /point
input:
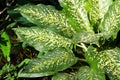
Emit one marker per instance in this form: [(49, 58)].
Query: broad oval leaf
[(47, 15), (64, 76), (54, 61), (86, 73), (42, 39), (111, 23), (109, 60), (77, 14)]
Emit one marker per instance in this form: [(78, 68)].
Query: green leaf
[(11, 25), (111, 22), (6, 47), (77, 14), (25, 61), (15, 15), (42, 39), (88, 38), (109, 60), (90, 58), (5, 72), (64, 76), (54, 61), (47, 15), (85, 73), (97, 9), (5, 69)]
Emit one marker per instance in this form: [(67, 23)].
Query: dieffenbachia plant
[(86, 24)]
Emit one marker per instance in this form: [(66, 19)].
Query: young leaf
[(11, 25), (85, 73), (25, 61), (90, 58), (64, 76), (47, 15), (42, 39), (109, 60), (6, 47), (111, 22), (97, 9), (77, 14), (56, 60)]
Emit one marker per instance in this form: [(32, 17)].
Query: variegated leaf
[(77, 14), (111, 22), (47, 15), (85, 73), (56, 60), (42, 39), (89, 38), (109, 60), (97, 9), (64, 76)]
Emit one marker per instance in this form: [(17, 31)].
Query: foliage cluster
[(79, 40)]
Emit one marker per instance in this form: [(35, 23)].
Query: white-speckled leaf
[(54, 61), (86, 73), (77, 14), (88, 38), (64, 76), (97, 9), (42, 39), (109, 60), (111, 22), (47, 15)]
